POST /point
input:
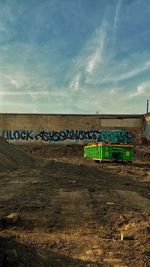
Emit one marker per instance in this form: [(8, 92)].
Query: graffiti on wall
[(113, 136)]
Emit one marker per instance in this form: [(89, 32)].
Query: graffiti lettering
[(114, 136)]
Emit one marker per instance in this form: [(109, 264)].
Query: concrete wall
[(17, 127), (147, 127)]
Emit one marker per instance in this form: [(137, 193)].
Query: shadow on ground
[(14, 254)]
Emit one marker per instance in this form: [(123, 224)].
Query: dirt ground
[(73, 212)]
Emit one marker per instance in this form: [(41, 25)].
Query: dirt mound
[(143, 152), (54, 150), (12, 157)]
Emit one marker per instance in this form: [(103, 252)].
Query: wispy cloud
[(121, 72), (9, 93), (141, 90), (75, 83), (98, 46), (98, 70), (90, 59), (116, 17), (83, 60), (116, 21), (15, 83), (134, 72), (95, 59)]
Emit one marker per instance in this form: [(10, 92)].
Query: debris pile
[(12, 157)]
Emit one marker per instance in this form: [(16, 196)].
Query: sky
[(74, 56)]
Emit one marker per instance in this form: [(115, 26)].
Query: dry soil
[(61, 210)]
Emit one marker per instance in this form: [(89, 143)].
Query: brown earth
[(67, 211), (12, 157)]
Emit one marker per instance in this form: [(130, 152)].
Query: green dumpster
[(110, 152)]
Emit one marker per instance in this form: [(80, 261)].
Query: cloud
[(100, 50), (14, 82), (90, 59), (85, 60), (9, 93), (141, 89), (116, 20), (20, 86), (101, 76), (120, 72), (95, 61), (116, 17), (135, 71), (75, 83), (98, 46)]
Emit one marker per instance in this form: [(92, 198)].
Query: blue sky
[(74, 56)]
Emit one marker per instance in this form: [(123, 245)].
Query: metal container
[(105, 151)]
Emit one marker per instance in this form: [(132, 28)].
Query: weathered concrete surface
[(147, 127), (48, 122), (123, 122), (61, 122), (56, 122)]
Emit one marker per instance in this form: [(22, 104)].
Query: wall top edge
[(147, 114), (85, 115)]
